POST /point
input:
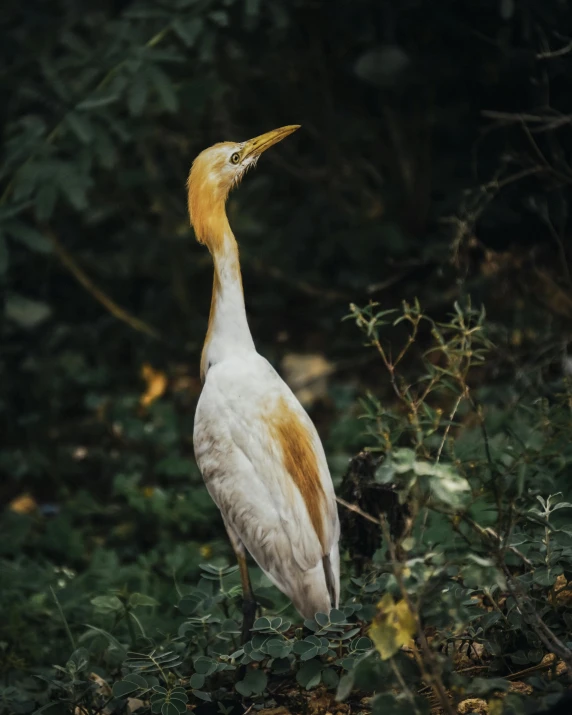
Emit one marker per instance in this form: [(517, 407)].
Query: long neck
[(228, 332)]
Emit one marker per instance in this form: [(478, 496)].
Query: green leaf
[(107, 604), (140, 599), (219, 17), (29, 236), (302, 648), (137, 94), (73, 186), (123, 688), (322, 619), (164, 88), (178, 692), (337, 616), (388, 703), (169, 708), (309, 675), (450, 488), (78, 661), (253, 683), (204, 665), (202, 695), (345, 686), (98, 100), (137, 680), (257, 681), (188, 31), (45, 201), (277, 648), (252, 8), (197, 680), (80, 126), (27, 313), (189, 603), (546, 576), (112, 640), (330, 678), (180, 705)]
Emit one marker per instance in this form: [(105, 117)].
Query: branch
[(555, 53), (549, 121), (353, 507), (109, 304)]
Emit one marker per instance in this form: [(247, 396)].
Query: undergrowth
[(465, 606)]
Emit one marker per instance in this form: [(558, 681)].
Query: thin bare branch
[(353, 507), (108, 303)]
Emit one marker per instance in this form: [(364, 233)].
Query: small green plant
[(470, 595)]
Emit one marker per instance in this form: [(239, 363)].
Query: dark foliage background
[(433, 162)]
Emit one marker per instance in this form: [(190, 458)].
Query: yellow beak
[(255, 147)]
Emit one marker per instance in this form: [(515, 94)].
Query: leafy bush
[(468, 599)]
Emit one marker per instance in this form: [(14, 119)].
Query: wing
[(264, 465)]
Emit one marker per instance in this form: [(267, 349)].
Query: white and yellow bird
[(258, 451)]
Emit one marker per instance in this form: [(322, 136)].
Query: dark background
[(433, 162)]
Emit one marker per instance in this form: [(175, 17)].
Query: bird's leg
[(248, 602)]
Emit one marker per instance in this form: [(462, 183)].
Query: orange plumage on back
[(299, 461)]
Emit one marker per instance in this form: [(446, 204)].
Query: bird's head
[(216, 171)]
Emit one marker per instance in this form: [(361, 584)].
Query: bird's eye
[(235, 158)]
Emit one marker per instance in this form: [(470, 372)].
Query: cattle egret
[(258, 451)]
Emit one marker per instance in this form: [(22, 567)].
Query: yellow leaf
[(24, 504), (383, 637), (156, 385), (404, 623), (495, 706), (392, 627)]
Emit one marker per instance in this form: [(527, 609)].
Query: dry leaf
[(102, 685), (473, 705), (134, 704), (156, 385), (519, 687), (392, 627), (24, 504)]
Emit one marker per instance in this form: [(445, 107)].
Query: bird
[(257, 449)]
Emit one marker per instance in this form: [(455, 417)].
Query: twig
[(110, 305), (491, 534), (550, 640), (408, 694), (551, 122), (68, 631), (448, 427), (554, 53), (353, 507)]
